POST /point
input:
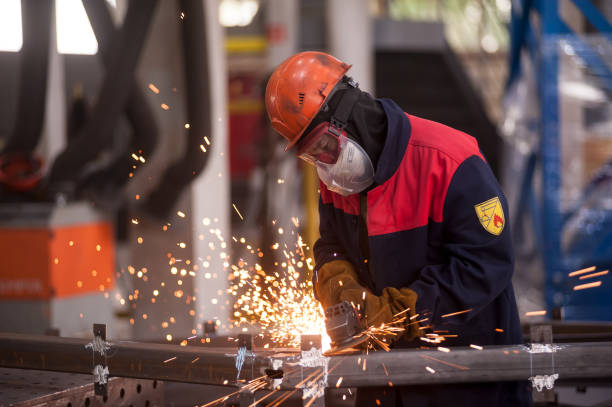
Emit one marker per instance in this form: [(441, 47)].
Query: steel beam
[(197, 364), (190, 364), (462, 365)]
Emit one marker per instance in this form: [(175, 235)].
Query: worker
[(413, 224)]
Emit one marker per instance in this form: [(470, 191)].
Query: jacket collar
[(398, 135)]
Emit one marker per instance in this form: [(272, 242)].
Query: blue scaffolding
[(538, 31)]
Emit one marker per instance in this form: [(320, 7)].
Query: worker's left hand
[(393, 305)]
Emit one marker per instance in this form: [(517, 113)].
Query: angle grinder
[(344, 327)]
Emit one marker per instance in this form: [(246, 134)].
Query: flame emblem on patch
[(491, 216)]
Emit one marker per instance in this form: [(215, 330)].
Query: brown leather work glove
[(391, 306), (332, 278), (337, 281)]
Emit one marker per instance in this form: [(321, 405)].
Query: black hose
[(36, 20), (116, 89), (184, 170), (138, 112)]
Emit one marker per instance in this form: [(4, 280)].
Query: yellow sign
[(491, 215)]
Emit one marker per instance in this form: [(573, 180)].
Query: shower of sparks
[(456, 313), (430, 370), (401, 312), (165, 106), (296, 222), (443, 349), (237, 211), (263, 398), (256, 384), (202, 148), (279, 300), (378, 334), (535, 313), (339, 382), (170, 360), (312, 400), (588, 285), (153, 88), (599, 273), (308, 378), (460, 367), (220, 399), (207, 141), (315, 387), (582, 271), (477, 347), (181, 214), (279, 400)]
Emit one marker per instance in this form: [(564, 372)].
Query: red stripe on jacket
[(348, 204), (417, 190), (415, 193)]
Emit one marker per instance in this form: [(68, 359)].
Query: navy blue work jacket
[(437, 222)]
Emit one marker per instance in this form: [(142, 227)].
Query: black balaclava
[(367, 124)]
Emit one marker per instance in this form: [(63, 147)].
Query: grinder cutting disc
[(344, 327), (348, 346)]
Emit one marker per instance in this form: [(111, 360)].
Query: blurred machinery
[(57, 264), (83, 127), (417, 68), (76, 169), (558, 118)]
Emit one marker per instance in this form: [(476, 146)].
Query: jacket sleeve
[(327, 247), (478, 247)]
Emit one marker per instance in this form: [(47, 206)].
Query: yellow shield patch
[(491, 216)]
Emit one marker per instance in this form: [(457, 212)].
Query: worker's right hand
[(395, 306), (337, 281)]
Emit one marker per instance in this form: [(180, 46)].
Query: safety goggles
[(320, 145)]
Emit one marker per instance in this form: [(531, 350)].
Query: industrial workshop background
[(142, 188)]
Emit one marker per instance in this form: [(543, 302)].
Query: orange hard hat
[(298, 88)]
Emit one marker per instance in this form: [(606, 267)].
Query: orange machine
[(39, 263)]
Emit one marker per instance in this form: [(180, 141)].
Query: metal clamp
[(542, 342), (245, 348), (100, 348), (311, 362), (539, 382)]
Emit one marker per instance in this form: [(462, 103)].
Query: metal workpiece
[(462, 365), (24, 387), (310, 369), (189, 364)]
